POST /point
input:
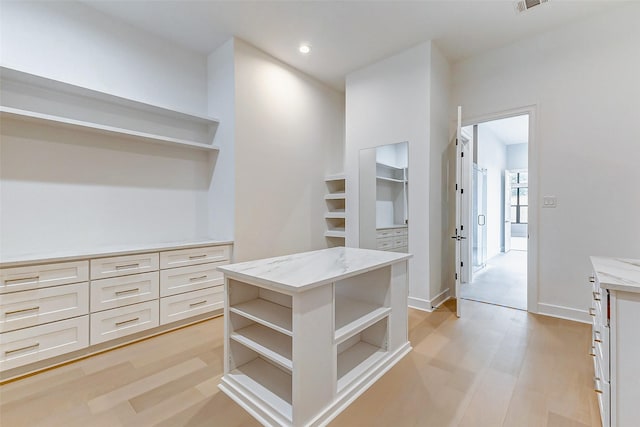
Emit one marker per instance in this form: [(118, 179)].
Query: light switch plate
[(549, 202)]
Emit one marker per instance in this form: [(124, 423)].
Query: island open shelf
[(306, 334)]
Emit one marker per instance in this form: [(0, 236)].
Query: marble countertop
[(303, 271), (618, 274), (384, 227), (97, 252)]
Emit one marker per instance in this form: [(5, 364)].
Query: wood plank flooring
[(494, 367)]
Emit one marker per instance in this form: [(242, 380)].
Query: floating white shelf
[(266, 342), (335, 196), (357, 360), (335, 177), (384, 178), (28, 97), (31, 116), (272, 384), (335, 215), (352, 316), (337, 234), (266, 313)]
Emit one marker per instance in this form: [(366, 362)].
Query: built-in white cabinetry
[(393, 239), (615, 345), (51, 308), (31, 98), (306, 334), (335, 216)]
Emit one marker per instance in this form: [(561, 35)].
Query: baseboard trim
[(562, 312), (429, 305)]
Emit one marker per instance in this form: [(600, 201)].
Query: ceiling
[(346, 35)]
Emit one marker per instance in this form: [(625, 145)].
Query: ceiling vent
[(524, 5)]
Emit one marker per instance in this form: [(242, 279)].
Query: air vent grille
[(524, 5)]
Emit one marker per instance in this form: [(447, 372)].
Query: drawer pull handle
[(29, 347), (197, 256), (597, 340), (6, 282), (128, 291), (592, 279), (198, 278), (24, 310), (193, 304), (597, 391), (591, 312), (124, 322), (593, 351), (122, 267)]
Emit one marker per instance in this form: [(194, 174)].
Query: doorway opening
[(499, 212)]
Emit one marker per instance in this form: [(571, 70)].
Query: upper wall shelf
[(28, 97)]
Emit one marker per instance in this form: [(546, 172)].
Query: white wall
[(517, 156), (583, 81), (63, 190), (492, 155), (289, 134), (74, 43), (388, 102)]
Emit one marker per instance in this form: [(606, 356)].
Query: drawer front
[(384, 232), (31, 308), (30, 345), (400, 232), (399, 242), (178, 307), (123, 321), (120, 291), (192, 278), (384, 244), (123, 265), (40, 276), (184, 257)]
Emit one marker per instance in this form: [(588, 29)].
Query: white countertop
[(303, 271), (618, 274), (384, 227), (97, 252)]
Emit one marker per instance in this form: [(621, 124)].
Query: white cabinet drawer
[(400, 232), (123, 265), (14, 279), (192, 278), (384, 232), (384, 244), (399, 242), (181, 306), (30, 308), (193, 256), (123, 321), (30, 345), (120, 291)]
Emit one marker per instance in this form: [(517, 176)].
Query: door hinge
[(462, 191), (461, 264), (461, 227), (456, 187), (456, 141), (456, 276), (462, 154)]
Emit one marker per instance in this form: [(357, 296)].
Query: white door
[(507, 211), (459, 232)]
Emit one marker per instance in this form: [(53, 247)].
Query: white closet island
[(306, 334)]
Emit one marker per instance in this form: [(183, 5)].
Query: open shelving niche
[(31, 98), (335, 217), (260, 351), (362, 309)]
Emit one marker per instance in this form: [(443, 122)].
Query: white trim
[(429, 305), (534, 177), (562, 312)]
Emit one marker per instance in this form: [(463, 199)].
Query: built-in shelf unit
[(299, 348), (335, 216), (32, 98)]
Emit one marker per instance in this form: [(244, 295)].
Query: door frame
[(532, 227)]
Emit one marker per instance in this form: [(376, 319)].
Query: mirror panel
[(383, 204)]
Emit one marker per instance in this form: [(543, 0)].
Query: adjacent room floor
[(495, 366), (503, 281)]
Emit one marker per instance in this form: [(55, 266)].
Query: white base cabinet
[(306, 334), (615, 347), (54, 306)]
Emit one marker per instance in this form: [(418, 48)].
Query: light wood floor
[(495, 366)]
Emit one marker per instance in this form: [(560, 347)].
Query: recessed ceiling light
[(304, 48)]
